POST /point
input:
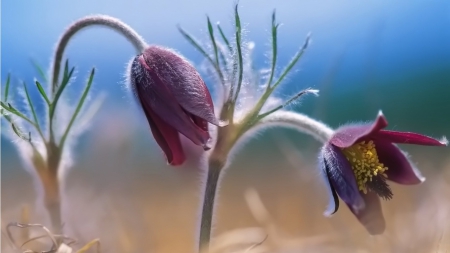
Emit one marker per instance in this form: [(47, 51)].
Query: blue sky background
[(386, 39), (364, 56)]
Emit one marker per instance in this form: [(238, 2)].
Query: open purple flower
[(358, 160), (175, 100)]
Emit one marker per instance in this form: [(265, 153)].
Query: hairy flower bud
[(175, 100)]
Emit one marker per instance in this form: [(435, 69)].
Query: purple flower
[(358, 160), (175, 100)]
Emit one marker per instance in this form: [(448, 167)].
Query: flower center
[(368, 170)]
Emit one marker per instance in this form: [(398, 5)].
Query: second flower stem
[(210, 194), (217, 160)]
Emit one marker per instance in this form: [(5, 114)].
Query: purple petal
[(333, 203), (400, 169), (371, 217), (166, 137), (346, 136), (341, 176), (156, 96), (183, 80), (408, 138), (202, 124)]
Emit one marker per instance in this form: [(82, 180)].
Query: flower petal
[(371, 217), (408, 138), (400, 168), (333, 203), (348, 135), (184, 82), (156, 96), (203, 124), (341, 176), (166, 137)]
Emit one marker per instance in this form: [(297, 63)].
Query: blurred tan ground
[(134, 203)]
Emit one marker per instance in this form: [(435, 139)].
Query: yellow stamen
[(365, 164)]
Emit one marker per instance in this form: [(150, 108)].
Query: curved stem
[(50, 179), (102, 20), (300, 122), (217, 159)]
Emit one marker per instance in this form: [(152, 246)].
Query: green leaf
[(274, 49), (66, 68), (213, 40), (8, 81), (223, 59), (42, 92), (269, 91), (39, 70), (224, 38), (289, 101), (239, 51), (30, 103), (61, 88), (16, 131), (216, 52), (13, 110), (203, 52), (191, 40), (78, 108), (292, 62), (33, 112), (19, 133)]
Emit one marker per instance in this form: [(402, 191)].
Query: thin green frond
[(239, 51), (292, 63), (39, 70), (224, 55), (65, 74), (224, 38), (191, 40), (213, 40), (288, 102), (30, 103), (216, 51), (33, 112), (8, 82), (42, 92), (14, 111), (61, 88), (19, 133), (78, 108), (66, 68), (28, 139), (274, 49), (194, 42), (223, 58)]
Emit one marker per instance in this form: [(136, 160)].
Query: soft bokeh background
[(364, 57)]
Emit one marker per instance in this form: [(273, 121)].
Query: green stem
[(212, 182), (227, 138)]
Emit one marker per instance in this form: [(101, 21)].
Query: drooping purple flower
[(174, 99), (359, 159)]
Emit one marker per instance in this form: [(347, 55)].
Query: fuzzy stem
[(49, 178), (53, 206), (210, 193), (102, 20), (52, 200), (227, 138), (300, 122)]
